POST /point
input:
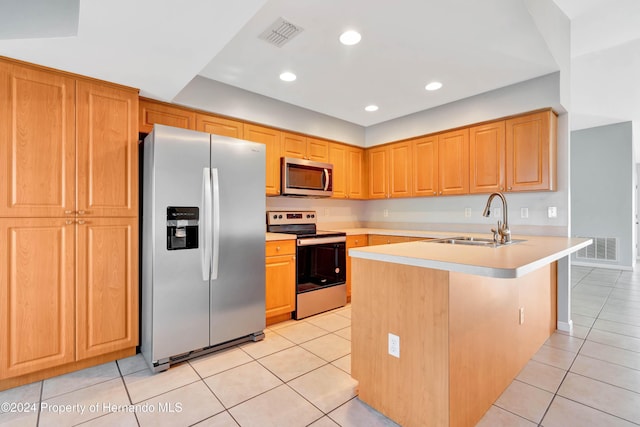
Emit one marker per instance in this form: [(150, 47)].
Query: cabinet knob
[(69, 222), (277, 248), (68, 212), (357, 241), (441, 193), (81, 212), (81, 222), (435, 193), (509, 188)]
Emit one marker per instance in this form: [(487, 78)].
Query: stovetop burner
[(300, 223)]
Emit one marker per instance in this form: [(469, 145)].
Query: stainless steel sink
[(473, 241)]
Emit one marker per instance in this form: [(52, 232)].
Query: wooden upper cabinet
[(271, 138), (37, 142), (152, 112), (348, 171), (317, 149), (304, 147), (37, 294), (356, 183), (400, 176), (338, 156), (107, 286), (294, 145), (487, 158), (531, 152), (219, 126), (378, 165), (425, 166), (107, 150), (453, 162)]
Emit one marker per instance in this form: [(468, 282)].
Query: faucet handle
[(496, 233)]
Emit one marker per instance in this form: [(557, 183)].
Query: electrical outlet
[(394, 345), (385, 213), (552, 212), (524, 212), (521, 315), (467, 212)]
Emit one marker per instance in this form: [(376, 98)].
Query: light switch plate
[(552, 212), (524, 212)]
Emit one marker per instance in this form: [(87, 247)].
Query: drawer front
[(280, 247)]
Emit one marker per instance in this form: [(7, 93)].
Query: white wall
[(603, 193), (216, 97)]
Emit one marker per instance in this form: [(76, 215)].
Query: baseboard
[(607, 266), (565, 327)]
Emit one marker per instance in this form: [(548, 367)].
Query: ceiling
[(472, 47)]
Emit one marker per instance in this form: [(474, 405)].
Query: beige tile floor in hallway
[(299, 376)]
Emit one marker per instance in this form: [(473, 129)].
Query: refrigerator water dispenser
[(182, 227)]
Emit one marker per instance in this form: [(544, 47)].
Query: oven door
[(320, 263)]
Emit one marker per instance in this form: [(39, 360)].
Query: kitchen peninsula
[(467, 319)]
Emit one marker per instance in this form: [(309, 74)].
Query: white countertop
[(508, 261), (273, 237)]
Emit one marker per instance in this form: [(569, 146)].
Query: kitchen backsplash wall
[(439, 213)]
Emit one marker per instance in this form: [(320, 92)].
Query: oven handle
[(321, 240)]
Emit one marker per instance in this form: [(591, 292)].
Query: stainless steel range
[(320, 261)]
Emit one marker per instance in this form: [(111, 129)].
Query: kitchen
[(526, 96)]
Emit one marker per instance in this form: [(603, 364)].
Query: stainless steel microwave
[(306, 178)]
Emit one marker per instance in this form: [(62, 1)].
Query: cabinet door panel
[(36, 295), (151, 113), (425, 166), (356, 187), (338, 157), (271, 138), (294, 145), (37, 142), (400, 175), (107, 288), (378, 159), (107, 151), (453, 158), (317, 150), (487, 158), (280, 285), (219, 126), (531, 152)]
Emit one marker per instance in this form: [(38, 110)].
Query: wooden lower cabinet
[(37, 294), (107, 286), (280, 295), (380, 239), (68, 291), (355, 241)]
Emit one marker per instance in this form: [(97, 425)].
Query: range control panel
[(291, 217)]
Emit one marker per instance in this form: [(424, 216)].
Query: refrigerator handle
[(216, 223), (206, 252)]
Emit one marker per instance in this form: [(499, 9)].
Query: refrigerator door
[(238, 269), (180, 292)]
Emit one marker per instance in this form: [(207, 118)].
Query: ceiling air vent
[(280, 32)]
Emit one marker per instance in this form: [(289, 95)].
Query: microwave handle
[(326, 179)]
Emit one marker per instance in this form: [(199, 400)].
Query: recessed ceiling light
[(350, 37), (371, 108), (287, 76), (433, 86)]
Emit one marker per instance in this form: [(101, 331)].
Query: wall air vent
[(602, 249), (280, 32)]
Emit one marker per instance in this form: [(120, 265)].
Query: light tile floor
[(299, 376)]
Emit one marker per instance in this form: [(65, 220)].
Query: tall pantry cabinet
[(68, 222)]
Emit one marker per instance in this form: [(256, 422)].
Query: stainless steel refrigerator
[(203, 244)]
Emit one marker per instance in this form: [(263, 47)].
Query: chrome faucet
[(502, 233)]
